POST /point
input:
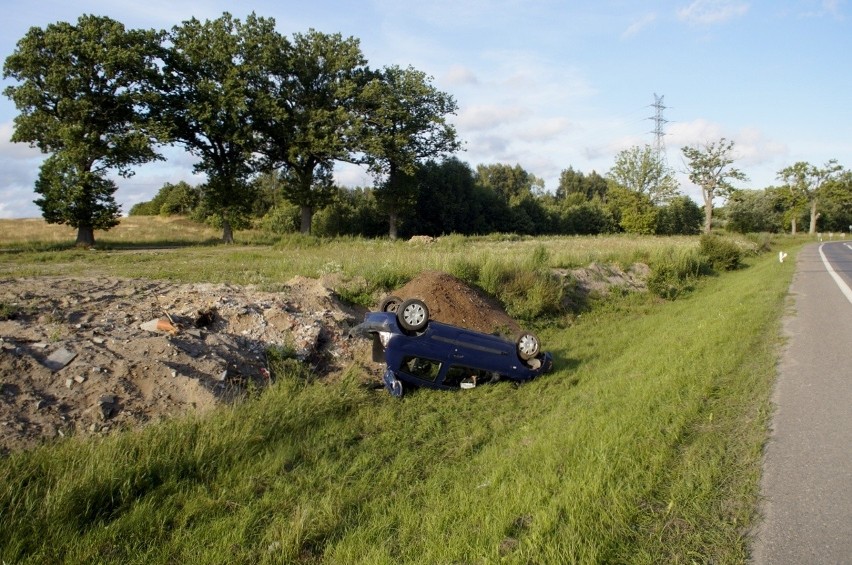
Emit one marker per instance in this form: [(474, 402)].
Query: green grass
[(643, 446)]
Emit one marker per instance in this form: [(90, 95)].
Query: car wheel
[(413, 315), (528, 346), (390, 304)]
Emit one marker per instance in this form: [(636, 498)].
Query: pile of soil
[(93, 355), (452, 301)]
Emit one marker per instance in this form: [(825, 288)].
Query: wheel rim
[(528, 345), (414, 315)]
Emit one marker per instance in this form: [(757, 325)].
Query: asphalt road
[(807, 477)]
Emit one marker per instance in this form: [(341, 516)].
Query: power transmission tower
[(659, 144)]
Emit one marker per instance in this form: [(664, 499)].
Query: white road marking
[(844, 288)]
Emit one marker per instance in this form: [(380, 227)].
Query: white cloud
[(17, 151), (707, 12), (460, 75), (544, 130), (751, 146), (824, 8), (346, 174), (477, 118), (638, 25)]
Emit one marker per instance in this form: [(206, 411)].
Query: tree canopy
[(268, 117), (313, 120), (644, 170)]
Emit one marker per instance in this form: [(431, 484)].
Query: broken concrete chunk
[(59, 359), (159, 326), (80, 379)]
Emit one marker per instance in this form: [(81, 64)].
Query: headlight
[(384, 338)]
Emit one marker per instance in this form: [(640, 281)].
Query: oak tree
[(311, 121), (405, 124), (211, 89), (84, 94)]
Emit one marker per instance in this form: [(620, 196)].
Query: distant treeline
[(453, 198)]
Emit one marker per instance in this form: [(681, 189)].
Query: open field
[(177, 249), (643, 446)]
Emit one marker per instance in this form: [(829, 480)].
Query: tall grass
[(643, 446)]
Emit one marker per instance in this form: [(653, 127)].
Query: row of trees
[(268, 117), (808, 195), (242, 98), (451, 197)]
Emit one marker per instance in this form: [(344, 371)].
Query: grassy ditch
[(643, 446)]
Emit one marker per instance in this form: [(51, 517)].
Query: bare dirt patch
[(75, 358)]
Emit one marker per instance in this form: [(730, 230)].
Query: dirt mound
[(452, 301), (84, 355)]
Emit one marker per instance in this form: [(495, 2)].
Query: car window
[(458, 374), (421, 368)]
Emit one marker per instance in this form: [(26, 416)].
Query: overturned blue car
[(420, 352)]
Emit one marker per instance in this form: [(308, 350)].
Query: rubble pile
[(91, 355)]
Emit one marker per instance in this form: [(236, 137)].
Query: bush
[(675, 273), (529, 295), (281, 219), (526, 291), (722, 253)]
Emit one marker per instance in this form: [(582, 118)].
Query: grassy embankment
[(643, 446)]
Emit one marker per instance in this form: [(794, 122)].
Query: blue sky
[(546, 84)]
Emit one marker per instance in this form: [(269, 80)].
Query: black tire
[(528, 346), (390, 304), (413, 315)]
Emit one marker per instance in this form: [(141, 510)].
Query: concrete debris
[(59, 359), (138, 340), (160, 325)]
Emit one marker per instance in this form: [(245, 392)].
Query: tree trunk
[(708, 211), (227, 232), (307, 218), (814, 217), (793, 226), (85, 236), (392, 219)]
